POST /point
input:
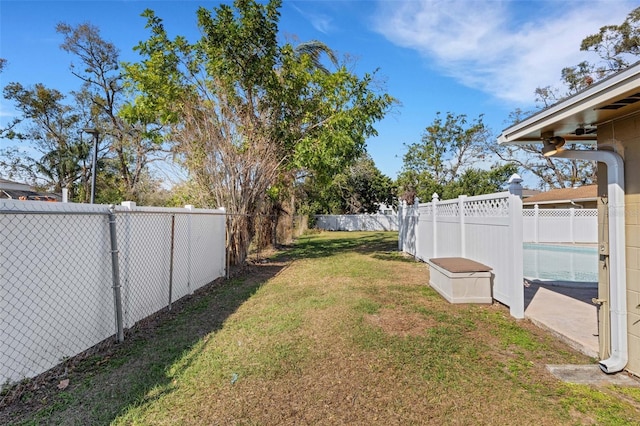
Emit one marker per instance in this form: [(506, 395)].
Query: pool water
[(560, 263)]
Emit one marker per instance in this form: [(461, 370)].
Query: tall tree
[(361, 188), (550, 173), (132, 145), (54, 128), (475, 181), (617, 46), (243, 111), (449, 146), (8, 130)]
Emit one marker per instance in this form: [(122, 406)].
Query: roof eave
[(582, 103), (567, 201)]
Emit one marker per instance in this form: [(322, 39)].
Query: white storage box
[(461, 280)]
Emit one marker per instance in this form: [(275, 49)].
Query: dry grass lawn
[(338, 329)]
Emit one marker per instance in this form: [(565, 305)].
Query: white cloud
[(497, 46), (320, 21)]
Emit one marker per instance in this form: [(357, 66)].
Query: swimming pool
[(560, 263)]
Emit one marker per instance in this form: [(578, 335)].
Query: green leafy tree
[(244, 112), (474, 181), (449, 146), (362, 188), (53, 130), (133, 146), (617, 46)]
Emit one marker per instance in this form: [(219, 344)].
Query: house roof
[(577, 117), (8, 184), (28, 195), (527, 193), (566, 195), (22, 191)]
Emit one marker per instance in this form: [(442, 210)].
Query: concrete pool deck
[(566, 311)]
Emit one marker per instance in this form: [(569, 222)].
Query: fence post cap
[(515, 178), (515, 185)]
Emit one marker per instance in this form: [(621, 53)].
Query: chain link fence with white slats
[(59, 275)]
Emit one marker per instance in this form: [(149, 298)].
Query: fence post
[(125, 267), (189, 207), (572, 215), (463, 239), (401, 205), (515, 185), (115, 273), (415, 221), (225, 254), (173, 233), (517, 275), (434, 205), (536, 224)]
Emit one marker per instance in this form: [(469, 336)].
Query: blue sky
[(467, 57)]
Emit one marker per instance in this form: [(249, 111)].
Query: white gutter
[(617, 268)]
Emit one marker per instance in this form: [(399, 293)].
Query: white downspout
[(617, 268)]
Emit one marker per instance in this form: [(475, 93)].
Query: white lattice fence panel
[(448, 209), (498, 207), (553, 213), (586, 213)]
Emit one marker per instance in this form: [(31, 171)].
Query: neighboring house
[(607, 115), (387, 209), (581, 197), (10, 185), (22, 191), (527, 193)]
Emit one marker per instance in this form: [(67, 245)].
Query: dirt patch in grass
[(398, 323)]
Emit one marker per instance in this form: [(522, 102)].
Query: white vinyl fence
[(487, 229), (357, 222), (67, 284), (560, 225)]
